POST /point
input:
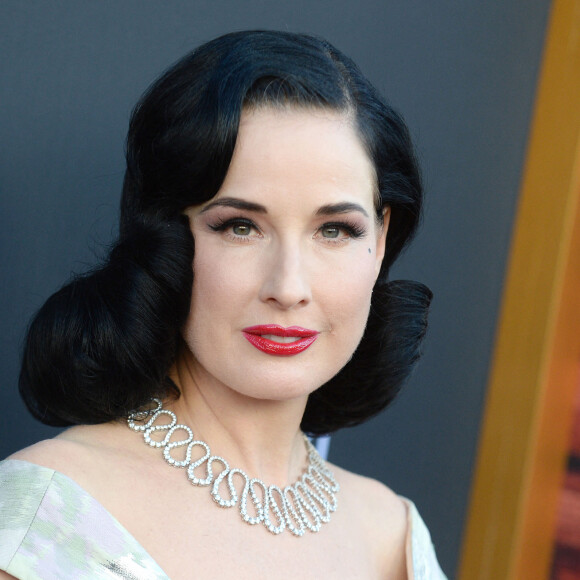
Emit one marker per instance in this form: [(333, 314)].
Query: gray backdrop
[(463, 74)]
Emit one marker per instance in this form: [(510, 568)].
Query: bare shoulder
[(382, 517), (48, 453), (374, 498), (72, 451)]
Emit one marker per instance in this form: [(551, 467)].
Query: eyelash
[(352, 230), (223, 225)]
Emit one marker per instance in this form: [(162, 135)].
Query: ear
[(381, 240)]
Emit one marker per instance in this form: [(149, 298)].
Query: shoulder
[(382, 518), (23, 487), (27, 475), (398, 537), (49, 499), (43, 453), (377, 501), (23, 484), (74, 448), (48, 456), (423, 558), (85, 454)]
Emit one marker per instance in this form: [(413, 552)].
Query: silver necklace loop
[(304, 505)]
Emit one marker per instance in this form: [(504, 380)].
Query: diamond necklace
[(306, 504)]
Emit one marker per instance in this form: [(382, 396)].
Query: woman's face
[(286, 256)]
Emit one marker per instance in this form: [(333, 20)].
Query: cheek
[(347, 290), (216, 287), (209, 281), (218, 273)]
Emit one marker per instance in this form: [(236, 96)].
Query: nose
[(286, 282)]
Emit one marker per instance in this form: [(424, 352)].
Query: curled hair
[(103, 344), (381, 363)]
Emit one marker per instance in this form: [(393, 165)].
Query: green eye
[(241, 229), (330, 232)]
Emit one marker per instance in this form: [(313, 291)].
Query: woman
[(297, 184)]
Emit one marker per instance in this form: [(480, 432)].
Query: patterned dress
[(50, 528)]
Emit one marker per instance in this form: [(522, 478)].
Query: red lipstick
[(261, 337)]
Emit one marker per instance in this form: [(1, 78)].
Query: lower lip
[(279, 348)]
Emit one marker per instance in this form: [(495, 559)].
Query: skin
[(291, 238)]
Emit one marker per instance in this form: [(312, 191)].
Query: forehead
[(328, 131), (299, 150)]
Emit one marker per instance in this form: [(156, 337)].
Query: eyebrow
[(325, 210), (236, 204), (345, 207)]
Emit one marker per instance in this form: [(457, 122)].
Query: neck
[(261, 437)]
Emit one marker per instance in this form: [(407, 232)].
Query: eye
[(338, 232), (330, 231), (236, 228), (241, 229)]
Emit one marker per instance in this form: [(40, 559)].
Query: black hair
[(104, 343)]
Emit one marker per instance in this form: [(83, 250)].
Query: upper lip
[(277, 330)]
